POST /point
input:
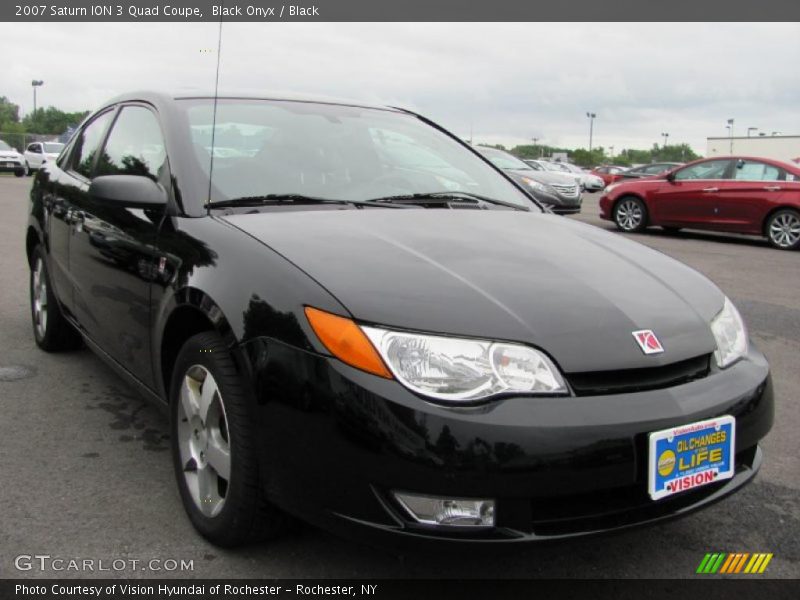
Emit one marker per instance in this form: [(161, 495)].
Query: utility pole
[(591, 116)]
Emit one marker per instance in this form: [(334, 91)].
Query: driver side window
[(710, 169)]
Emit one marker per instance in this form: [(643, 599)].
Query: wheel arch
[(192, 312), (772, 211)]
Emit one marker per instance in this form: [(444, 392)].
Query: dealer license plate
[(690, 456)]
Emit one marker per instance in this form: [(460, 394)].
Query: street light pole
[(749, 129), (591, 116), (665, 136), (35, 83)]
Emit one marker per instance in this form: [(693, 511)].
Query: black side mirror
[(670, 176), (135, 191)]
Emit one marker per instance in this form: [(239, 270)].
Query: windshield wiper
[(298, 199), (274, 199), (444, 197)]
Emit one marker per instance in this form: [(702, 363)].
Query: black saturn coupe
[(355, 319)]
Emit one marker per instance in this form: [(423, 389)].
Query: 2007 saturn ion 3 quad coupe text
[(356, 319)]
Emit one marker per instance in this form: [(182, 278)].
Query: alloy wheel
[(629, 215), (40, 298), (784, 230), (203, 440)]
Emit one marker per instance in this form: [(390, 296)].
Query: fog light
[(457, 512)]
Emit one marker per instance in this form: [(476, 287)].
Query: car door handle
[(711, 189), (772, 188)]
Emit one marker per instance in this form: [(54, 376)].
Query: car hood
[(547, 177), (574, 290), (9, 154)]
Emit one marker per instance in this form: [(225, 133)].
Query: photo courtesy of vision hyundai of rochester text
[(355, 319)]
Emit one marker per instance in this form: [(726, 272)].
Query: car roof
[(157, 97), (781, 163)]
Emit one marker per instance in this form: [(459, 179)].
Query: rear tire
[(51, 330), (213, 437), (630, 214), (19, 173), (783, 229)]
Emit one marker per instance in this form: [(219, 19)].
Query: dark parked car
[(651, 170), (559, 192), (756, 196), (340, 332)]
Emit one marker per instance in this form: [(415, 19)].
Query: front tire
[(19, 172), (51, 330), (783, 229), (213, 439), (630, 214)]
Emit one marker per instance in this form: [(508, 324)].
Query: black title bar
[(390, 589), (402, 10)]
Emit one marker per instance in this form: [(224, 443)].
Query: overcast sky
[(505, 82)]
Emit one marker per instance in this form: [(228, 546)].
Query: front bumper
[(336, 442), (10, 166)]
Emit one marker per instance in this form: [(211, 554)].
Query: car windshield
[(556, 167), (4, 146), (330, 151), (53, 147)]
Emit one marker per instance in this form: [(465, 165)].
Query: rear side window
[(135, 145), (752, 170), (88, 143)]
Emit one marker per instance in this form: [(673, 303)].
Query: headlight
[(609, 188), (462, 370), (731, 335), (539, 187)]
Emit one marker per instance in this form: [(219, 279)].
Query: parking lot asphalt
[(86, 472)]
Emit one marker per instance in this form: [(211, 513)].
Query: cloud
[(507, 82)]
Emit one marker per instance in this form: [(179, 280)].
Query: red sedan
[(739, 194), (608, 173)]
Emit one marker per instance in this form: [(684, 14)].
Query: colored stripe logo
[(733, 563)]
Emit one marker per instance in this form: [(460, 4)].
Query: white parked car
[(11, 160), (587, 181), (38, 153)]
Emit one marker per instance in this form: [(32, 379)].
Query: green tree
[(52, 120), (677, 153), (9, 113)]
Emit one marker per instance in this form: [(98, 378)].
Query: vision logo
[(737, 562)]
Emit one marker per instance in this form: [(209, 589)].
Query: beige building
[(780, 147)]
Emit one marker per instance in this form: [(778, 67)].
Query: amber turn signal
[(345, 340)]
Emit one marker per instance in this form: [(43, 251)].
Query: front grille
[(570, 191), (598, 383)]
